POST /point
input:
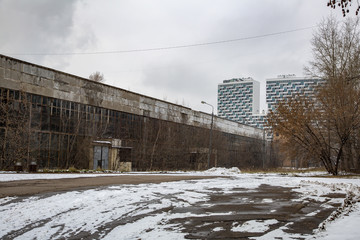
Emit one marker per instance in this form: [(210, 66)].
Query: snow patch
[(254, 226), (224, 171), (312, 213), (267, 200), (218, 229)]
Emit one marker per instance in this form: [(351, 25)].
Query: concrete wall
[(19, 75)]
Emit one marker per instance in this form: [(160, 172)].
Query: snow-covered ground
[(147, 211), (5, 177), (13, 176)]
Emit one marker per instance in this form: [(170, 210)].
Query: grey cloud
[(178, 78), (40, 26)]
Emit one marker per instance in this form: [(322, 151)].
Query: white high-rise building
[(239, 100), (285, 86)]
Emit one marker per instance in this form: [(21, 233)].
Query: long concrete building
[(58, 120)]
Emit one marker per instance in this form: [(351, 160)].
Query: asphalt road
[(32, 187)]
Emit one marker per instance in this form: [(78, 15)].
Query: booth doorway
[(101, 157)]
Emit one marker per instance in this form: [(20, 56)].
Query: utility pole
[(264, 150)]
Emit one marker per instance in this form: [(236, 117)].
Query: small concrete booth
[(108, 154), (199, 158)]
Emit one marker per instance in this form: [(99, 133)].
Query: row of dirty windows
[(62, 116), (58, 103)]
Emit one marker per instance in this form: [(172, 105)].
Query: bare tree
[(97, 77), (344, 5), (336, 50), (322, 127), (15, 131)]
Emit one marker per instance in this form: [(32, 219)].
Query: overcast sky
[(182, 75)]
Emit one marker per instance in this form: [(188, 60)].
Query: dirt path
[(32, 187)]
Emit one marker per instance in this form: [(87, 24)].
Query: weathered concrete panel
[(45, 73), (2, 74), (30, 69), (7, 73), (9, 83), (14, 74), (13, 64), (39, 81), (27, 78), (2, 62)]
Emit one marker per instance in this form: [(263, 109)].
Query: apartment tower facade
[(285, 86), (239, 98)]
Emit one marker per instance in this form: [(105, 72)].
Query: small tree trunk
[(153, 148), (336, 167)]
